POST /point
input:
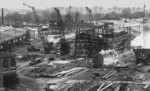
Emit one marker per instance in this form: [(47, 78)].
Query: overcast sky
[(42, 4)]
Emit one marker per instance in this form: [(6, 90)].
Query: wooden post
[(75, 45), (35, 71)]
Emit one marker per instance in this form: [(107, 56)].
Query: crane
[(59, 21), (69, 9), (64, 45), (34, 13), (40, 32), (69, 15), (90, 14)]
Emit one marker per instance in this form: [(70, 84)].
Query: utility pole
[(144, 21), (2, 16), (144, 13), (0, 34)]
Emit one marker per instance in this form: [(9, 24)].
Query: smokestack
[(2, 16)]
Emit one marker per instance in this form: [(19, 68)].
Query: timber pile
[(112, 80), (80, 86), (64, 73), (69, 72)]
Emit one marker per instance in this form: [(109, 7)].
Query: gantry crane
[(40, 32), (90, 14), (64, 45)]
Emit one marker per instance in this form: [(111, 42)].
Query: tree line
[(47, 15)]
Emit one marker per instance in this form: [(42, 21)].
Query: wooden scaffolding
[(87, 42)]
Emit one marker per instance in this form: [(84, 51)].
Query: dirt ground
[(37, 84), (26, 73)]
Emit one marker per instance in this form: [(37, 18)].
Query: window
[(1, 47), (5, 63), (13, 63)]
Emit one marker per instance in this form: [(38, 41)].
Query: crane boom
[(34, 13), (59, 19), (59, 22), (89, 10), (90, 14)]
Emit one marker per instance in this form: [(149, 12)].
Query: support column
[(1, 75)]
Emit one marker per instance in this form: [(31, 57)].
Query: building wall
[(9, 64), (1, 73), (4, 71)]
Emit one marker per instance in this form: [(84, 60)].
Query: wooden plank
[(106, 87), (100, 86), (118, 87)]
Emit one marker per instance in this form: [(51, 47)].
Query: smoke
[(143, 39), (146, 35)]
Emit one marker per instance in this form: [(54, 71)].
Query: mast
[(144, 13), (2, 16), (144, 25)]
